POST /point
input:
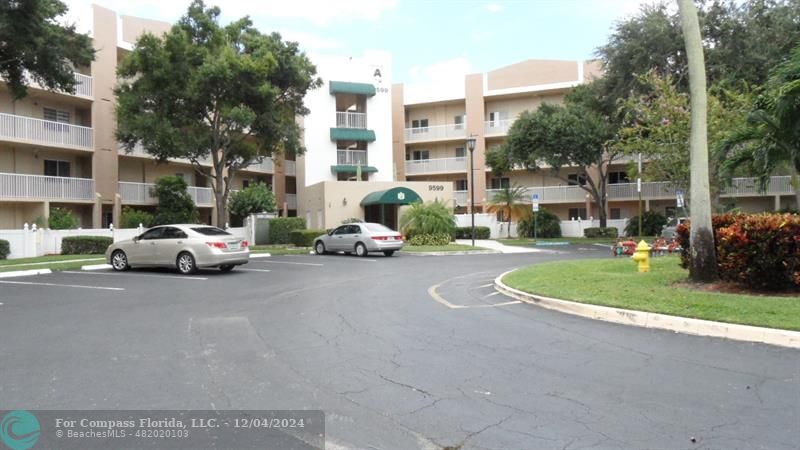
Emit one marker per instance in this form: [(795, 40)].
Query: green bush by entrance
[(466, 233), (304, 238), (601, 232), (430, 239), (5, 248), (84, 245), (279, 228)]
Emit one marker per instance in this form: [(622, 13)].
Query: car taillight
[(244, 244), (380, 238), (217, 245)]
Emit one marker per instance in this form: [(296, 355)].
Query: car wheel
[(119, 261), (186, 263), (361, 249), (226, 267), (388, 253), (319, 248)]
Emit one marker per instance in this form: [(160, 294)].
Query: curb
[(24, 273), (698, 327), (260, 255), (469, 252), (96, 267)]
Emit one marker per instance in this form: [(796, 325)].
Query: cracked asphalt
[(391, 367)]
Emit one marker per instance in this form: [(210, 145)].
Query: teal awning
[(393, 196), (346, 87), (348, 168), (352, 134)]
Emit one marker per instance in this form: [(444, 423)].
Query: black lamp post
[(471, 148)]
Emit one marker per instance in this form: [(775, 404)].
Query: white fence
[(27, 243), (569, 228), (575, 228)]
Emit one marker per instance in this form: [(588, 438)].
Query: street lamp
[(471, 147)]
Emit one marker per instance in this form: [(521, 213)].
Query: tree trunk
[(219, 199), (703, 267), (795, 182)]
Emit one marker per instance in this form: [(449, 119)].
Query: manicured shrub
[(62, 219), (304, 238), (430, 239), (131, 218), (5, 248), (652, 224), (428, 218), (683, 230), (84, 245), (548, 225), (175, 205), (466, 233), (280, 227), (600, 232), (760, 251), (256, 198)]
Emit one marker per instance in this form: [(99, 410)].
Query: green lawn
[(279, 250), (617, 283), (439, 248), (526, 242), (50, 262)]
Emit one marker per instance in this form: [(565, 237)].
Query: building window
[(461, 152), (459, 121), (616, 213), (418, 155), (245, 184), (500, 183), (419, 126), (56, 115), (54, 168), (578, 213), (460, 185), (618, 177), (496, 116), (576, 179)]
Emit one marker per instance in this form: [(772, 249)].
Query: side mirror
[(136, 238)]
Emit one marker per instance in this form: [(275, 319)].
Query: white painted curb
[(96, 267), (260, 255), (24, 273), (457, 253), (783, 338)]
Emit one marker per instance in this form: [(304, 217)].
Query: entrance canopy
[(393, 196)]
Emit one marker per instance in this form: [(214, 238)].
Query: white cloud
[(442, 80), (494, 7), (309, 41), (318, 12)]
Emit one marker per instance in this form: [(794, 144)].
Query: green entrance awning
[(352, 134), (352, 168), (393, 196), (346, 87)]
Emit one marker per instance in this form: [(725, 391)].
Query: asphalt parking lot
[(400, 352)]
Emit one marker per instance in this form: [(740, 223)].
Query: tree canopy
[(229, 94), (34, 46)]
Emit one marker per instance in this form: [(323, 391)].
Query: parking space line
[(177, 277), (289, 262), (253, 270), (351, 258), (33, 283)]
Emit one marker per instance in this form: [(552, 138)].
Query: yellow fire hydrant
[(642, 256)]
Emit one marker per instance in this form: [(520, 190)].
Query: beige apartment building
[(58, 149), (430, 129)]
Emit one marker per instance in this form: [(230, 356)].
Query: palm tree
[(771, 136), (428, 218), (508, 201)]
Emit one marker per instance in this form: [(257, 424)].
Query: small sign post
[(535, 206)]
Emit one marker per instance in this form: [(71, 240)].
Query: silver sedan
[(360, 238), (185, 247)]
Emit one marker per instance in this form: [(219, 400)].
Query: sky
[(431, 41)]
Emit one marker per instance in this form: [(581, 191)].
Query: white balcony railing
[(497, 127), (449, 131), (84, 85), (16, 185), (345, 119), (422, 166), (741, 187), (290, 168), (45, 132), (291, 201), (143, 194), (461, 197), (264, 166), (351, 157)]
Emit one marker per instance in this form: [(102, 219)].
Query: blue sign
[(534, 198)]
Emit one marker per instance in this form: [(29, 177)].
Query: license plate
[(233, 246)]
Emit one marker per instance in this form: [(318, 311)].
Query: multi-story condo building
[(431, 128), (58, 149)]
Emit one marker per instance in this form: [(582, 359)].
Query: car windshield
[(378, 228), (211, 231)]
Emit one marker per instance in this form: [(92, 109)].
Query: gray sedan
[(185, 247), (360, 238)]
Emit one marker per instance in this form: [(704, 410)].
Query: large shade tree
[(229, 94), (34, 46), (573, 138)]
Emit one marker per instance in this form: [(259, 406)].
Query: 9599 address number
[(435, 187)]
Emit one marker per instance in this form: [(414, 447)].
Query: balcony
[(497, 127), (461, 198), (351, 157), (441, 165), (41, 187), (84, 85), (438, 132), (143, 194), (266, 166), (28, 130), (290, 168), (345, 119), (291, 201)]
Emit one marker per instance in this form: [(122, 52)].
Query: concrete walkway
[(495, 245)]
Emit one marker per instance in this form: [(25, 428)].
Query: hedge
[(5, 248), (84, 245), (430, 239), (760, 251), (548, 225), (601, 232), (466, 233), (280, 227), (304, 238)]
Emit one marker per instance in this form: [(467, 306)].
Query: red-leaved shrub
[(761, 251)]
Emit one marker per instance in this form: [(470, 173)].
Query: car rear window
[(211, 231), (376, 227)]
